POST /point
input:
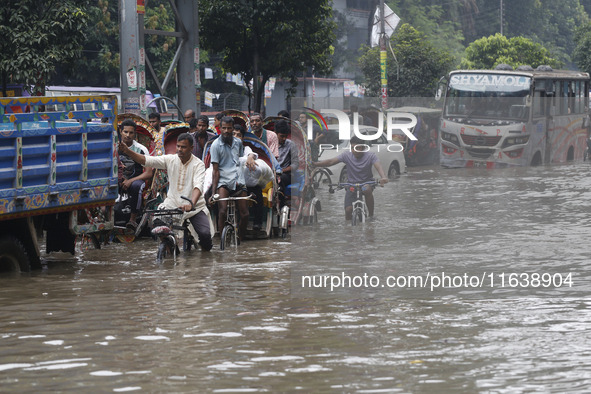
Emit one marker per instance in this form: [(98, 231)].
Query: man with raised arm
[(359, 165), (227, 177), (186, 174)]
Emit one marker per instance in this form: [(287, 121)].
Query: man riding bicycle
[(186, 174), (358, 164), (227, 177)]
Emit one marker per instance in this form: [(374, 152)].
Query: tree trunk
[(4, 83)]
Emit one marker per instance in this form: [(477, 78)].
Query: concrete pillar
[(189, 81), (129, 54)]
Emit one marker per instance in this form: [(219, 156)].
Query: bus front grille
[(480, 140), (480, 153)]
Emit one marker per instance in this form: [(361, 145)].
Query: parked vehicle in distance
[(505, 117), (390, 153)]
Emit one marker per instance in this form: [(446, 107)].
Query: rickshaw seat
[(268, 192)]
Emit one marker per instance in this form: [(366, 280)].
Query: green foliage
[(487, 53), (268, 37), (439, 20), (99, 65), (38, 35), (547, 22), (421, 65), (582, 52)]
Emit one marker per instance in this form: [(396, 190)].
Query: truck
[(58, 174)]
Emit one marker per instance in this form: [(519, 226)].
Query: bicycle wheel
[(166, 246), (357, 216), (161, 251), (227, 237)]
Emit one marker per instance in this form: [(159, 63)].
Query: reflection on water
[(227, 321)]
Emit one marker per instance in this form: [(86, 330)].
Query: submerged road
[(237, 321)]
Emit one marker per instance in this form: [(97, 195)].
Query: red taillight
[(514, 154), (352, 189), (448, 150)]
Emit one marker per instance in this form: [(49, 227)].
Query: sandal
[(131, 226)]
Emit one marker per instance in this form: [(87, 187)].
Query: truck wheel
[(12, 255)]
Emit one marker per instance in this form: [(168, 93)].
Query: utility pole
[(135, 62), (501, 17), (383, 56), (129, 55)]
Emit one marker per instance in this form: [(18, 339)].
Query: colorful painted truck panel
[(61, 161)]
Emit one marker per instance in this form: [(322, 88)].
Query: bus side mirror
[(528, 101), (438, 94)]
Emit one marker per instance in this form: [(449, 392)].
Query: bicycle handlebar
[(216, 198), (373, 182), (343, 185), (173, 211)]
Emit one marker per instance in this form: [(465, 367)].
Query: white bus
[(505, 117)]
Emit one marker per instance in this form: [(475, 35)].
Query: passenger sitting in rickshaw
[(288, 158), (134, 176), (255, 179), (202, 135), (227, 178)]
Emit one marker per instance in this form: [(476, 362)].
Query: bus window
[(557, 97), (539, 99)]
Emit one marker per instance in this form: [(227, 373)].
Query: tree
[(264, 38), (39, 35), (487, 53), (99, 64), (441, 24), (582, 52), (420, 64)]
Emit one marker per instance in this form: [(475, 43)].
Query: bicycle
[(229, 234), (360, 211), (164, 226)]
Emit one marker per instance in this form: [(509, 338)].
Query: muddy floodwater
[(239, 321)]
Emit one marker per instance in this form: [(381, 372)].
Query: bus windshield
[(492, 96)]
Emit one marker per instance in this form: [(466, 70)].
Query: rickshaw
[(171, 135), (270, 191), (302, 205)]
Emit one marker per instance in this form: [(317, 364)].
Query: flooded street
[(238, 321)]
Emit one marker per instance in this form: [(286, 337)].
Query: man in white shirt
[(186, 174)]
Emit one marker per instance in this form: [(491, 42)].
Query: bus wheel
[(570, 156), (537, 160), (12, 255)]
